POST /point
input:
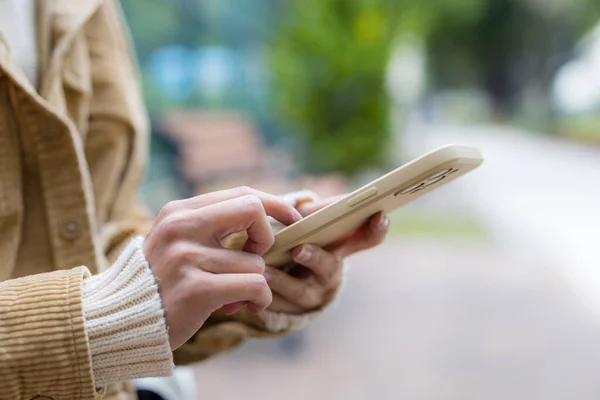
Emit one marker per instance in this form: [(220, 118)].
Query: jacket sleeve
[(43, 343)]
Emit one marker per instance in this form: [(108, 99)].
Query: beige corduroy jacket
[(72, 154)]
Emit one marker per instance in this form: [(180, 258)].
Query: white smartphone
[(387, 193)]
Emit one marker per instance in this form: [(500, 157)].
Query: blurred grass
[(583, 128), (580, 128), (426, 224)]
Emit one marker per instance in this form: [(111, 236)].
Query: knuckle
[(171, 225), (182, 253), (243, 190), (253, 202), (258, 285), (201, 218), (170, 208), (311, 299), (270, 240)]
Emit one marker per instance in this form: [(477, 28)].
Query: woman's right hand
[(195, 274)]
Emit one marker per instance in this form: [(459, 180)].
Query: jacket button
[(70, 230)]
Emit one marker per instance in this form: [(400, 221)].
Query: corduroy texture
[(43, 343), (125, 321)]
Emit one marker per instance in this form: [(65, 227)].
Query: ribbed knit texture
[(43, 345), (125, 321), (278, 322)]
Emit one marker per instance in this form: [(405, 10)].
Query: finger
[(230, 309), (234, 288), (343, 239), (222, 261), (313, 206), (370, 235), (323, 264), (294, 290), (239, 214), (274, 206), (282, 305)]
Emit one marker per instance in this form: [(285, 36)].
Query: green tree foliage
[(328, 60), (508, 46)]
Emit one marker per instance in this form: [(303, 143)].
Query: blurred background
[(487, 288)]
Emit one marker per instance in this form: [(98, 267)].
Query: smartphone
[(387, 193)]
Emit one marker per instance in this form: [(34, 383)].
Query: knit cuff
[(124, 320)]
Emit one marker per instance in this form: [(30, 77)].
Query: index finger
[(247, 213), (274, 206)]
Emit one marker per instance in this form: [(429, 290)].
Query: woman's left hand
[(316, 273)]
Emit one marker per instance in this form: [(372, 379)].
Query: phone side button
[(362, 196)]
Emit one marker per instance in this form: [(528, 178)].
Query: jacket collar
[(59, 21)]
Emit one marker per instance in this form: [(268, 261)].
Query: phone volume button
[(362, 197)]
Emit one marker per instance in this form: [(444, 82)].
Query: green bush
[(328, 59)]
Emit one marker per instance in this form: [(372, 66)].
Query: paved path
[(540, 196), (428, 320)]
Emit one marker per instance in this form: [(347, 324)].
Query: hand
[(316, 273), (196, 275)]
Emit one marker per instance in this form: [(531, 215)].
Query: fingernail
[(384, 223), (304, 255), (267, 275)]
